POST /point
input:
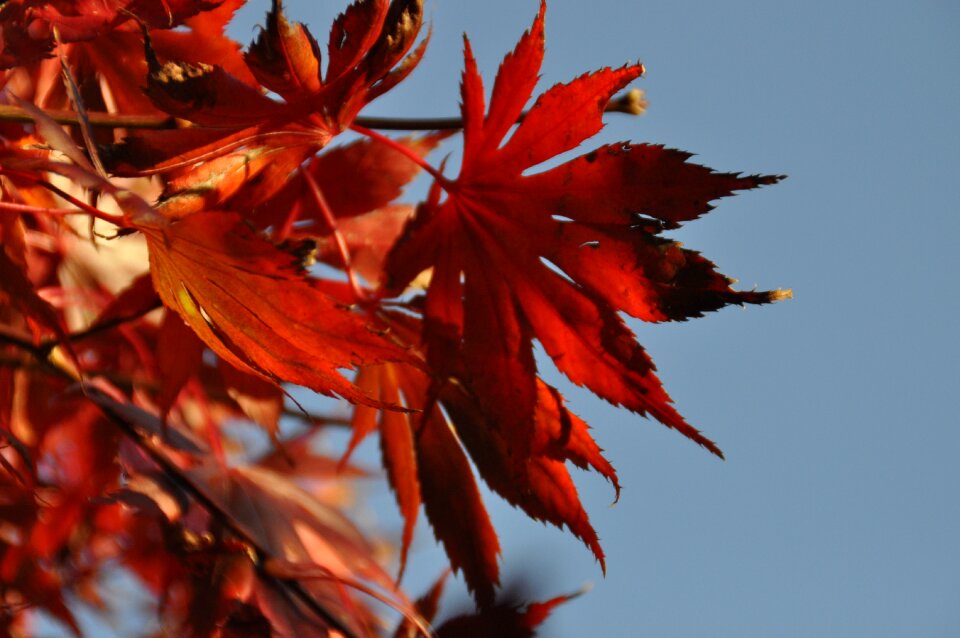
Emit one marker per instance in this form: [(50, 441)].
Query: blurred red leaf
[(508, 619), (288, 522), (17, 289)]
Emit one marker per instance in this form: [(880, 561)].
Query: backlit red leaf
[(454, 507), (518, 257), (17, 290)]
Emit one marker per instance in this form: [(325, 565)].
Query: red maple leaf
[(556, 255), (425, 455)]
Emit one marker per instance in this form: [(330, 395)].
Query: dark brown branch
[(632, 102), (10, 113), (316, 419)]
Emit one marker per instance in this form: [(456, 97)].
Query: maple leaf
[(16, 289), (426, 606), (426, 463), (367, 41), (357, 179), (252, 305), (251, 144), (555, 255)]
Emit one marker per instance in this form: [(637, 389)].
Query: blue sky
[(836, 512)]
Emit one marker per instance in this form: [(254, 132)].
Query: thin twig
[(631, 103), (97, 328), (316, 419), (10, 113), (400, 148)]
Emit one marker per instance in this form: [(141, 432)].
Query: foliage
[(164, 195)]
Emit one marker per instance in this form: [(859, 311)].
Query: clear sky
[(836, 513)]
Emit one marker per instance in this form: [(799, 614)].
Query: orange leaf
[(252, 304)]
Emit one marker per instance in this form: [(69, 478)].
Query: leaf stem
[(82, 205), (342, 248), (400, 148)]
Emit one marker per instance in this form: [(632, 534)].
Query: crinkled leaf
[(366, 42), (207, 95), (285, 57)]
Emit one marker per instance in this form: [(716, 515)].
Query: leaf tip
[(768, 180)]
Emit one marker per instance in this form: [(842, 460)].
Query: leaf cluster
[(164, 197)]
